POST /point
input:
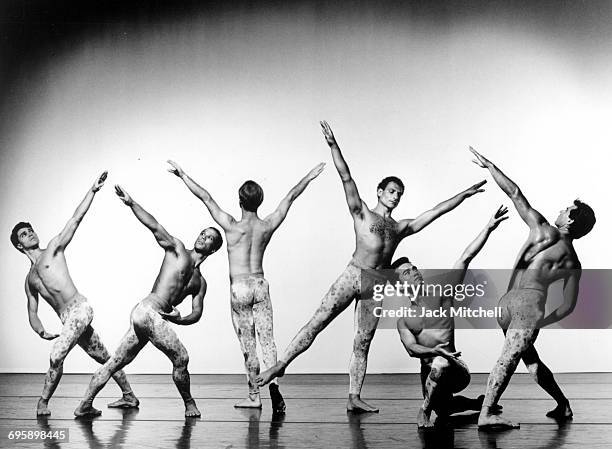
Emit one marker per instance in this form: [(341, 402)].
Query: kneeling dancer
[(432, 339)]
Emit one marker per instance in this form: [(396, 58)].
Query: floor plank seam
[(318, 423)]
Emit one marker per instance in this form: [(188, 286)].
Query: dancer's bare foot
[(425, 420), (277, 370), (129, 400), (191, 411), (86, 410), (561, 412), (252, 401), (41, 407), (278, 403), (356, 405), (488, 421)]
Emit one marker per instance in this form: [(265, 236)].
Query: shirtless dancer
[(547, 256), (247, 240), (178, 278), (377, 236), (49, 276), (432, 340)]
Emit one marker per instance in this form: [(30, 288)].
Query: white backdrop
[(241, 98)]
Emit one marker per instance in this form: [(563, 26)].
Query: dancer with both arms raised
[(377, 236), (178, 278), (247, 240)]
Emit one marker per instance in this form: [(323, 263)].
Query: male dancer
[(178, 278), (432, 339), (49, 276), (247, 240), (547, 256), (377, 236)]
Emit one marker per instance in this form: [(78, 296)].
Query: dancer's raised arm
[(354, 201), (529, 215), (164, 239), (477, 244), (222, 218), (64, 237), (277, 217)]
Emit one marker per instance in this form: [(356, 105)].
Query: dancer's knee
[(56, 361), (101, 356), (538, 370), (440, 363), (509, 360), (361, 347), (181, 360), (138, 318), (513, 356), (439, 368)]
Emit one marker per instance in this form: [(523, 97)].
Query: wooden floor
[(316, 416)]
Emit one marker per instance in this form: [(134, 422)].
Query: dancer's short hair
[(19, 226), (584, 219), (251, 196), (383, 184), (218, 238), (401, 261)]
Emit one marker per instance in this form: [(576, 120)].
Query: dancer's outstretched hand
[(498, 217), (123, 195), (175, 168), (480, 160), (316, 171), (328, 133), (99, 181), (476, 188)]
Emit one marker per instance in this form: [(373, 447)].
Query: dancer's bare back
[(247, 240), (248, 237), (544, 258)]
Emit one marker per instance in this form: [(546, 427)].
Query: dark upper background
[(33, 32)]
